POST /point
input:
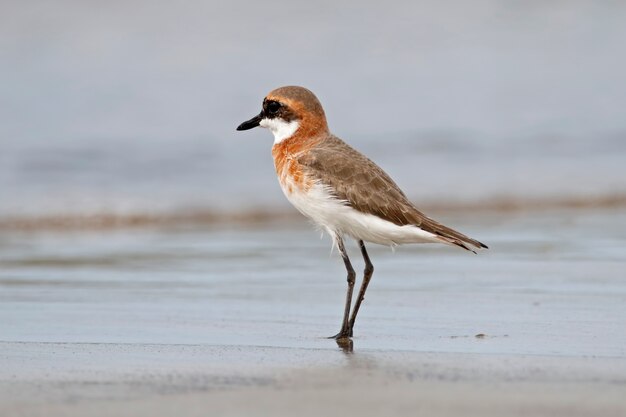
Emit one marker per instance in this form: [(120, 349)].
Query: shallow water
[(551, 284), (233, 319)]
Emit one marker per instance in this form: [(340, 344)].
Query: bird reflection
[(345, 344)]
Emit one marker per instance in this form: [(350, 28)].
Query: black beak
[(254, 122)]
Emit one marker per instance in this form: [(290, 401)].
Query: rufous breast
[(290, 173)]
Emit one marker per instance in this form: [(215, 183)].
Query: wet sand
[(231, 321), (232, 380)]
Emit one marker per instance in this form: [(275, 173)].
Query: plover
[(340, 189)]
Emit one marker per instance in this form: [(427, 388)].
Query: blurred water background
[(129, 108)]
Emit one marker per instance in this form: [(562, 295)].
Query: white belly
[(336, 217)]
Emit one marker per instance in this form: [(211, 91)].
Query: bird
[(341, 190)]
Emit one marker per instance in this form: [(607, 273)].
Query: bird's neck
[(292, 147)]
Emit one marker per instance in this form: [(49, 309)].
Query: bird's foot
[(343, 334), (344, 340)]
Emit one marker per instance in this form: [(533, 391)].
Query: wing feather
[(367, 188)]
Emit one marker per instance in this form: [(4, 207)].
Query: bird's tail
[(468, 243)]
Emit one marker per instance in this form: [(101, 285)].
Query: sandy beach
[(242, 381), (223, 321)]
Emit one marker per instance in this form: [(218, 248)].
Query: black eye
[(273, 106)]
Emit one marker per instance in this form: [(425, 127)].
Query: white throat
[(281, 129)]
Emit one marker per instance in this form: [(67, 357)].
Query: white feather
[(336, 217), (280, 128)]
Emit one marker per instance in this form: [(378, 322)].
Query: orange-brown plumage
[(311, 130), (286, 156)]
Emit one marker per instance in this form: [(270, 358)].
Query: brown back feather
[(368, 189)]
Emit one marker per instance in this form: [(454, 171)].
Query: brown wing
[(367, 188)]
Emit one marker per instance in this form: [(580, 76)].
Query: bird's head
[(290, 111)]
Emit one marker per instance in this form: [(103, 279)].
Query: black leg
[(367, 275), (345, 326)]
